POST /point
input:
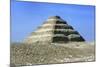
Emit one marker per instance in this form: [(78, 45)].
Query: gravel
[(51, 53)]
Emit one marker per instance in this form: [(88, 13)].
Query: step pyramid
[(53, 30)]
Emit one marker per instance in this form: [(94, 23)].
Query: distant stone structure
[(54, 29)]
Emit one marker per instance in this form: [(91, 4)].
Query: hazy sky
[(27, 16)]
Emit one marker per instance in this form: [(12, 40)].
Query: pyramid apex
[(55, 17)]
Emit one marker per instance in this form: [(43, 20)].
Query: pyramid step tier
[(54, 21), (56, 35), (56, 38), (55, 32), (56, 26)]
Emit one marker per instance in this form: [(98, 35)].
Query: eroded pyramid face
[(54, 29)]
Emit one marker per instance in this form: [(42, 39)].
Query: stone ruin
[(54, 30)]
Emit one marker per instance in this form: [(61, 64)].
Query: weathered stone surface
[(50, 53), (54, 29)]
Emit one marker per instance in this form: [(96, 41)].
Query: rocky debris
[(50, 53)]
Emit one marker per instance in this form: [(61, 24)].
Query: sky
[(27, 16)]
